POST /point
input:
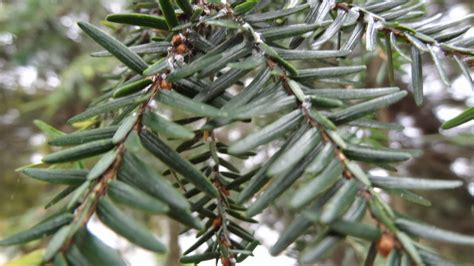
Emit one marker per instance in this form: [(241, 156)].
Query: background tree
[(265, 94)]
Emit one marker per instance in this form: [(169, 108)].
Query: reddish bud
[(165, 85), (386, 244), (217, 222), (181, 49), (177, 40)]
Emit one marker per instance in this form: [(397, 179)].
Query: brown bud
[(176, 40), (165, 85), (347, 174), (225, 261), (181, 49), (216, 223), (386, 244)]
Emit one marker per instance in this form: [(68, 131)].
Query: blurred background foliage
[(46, 73)]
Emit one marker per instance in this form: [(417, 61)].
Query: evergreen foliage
[(217, 65)]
